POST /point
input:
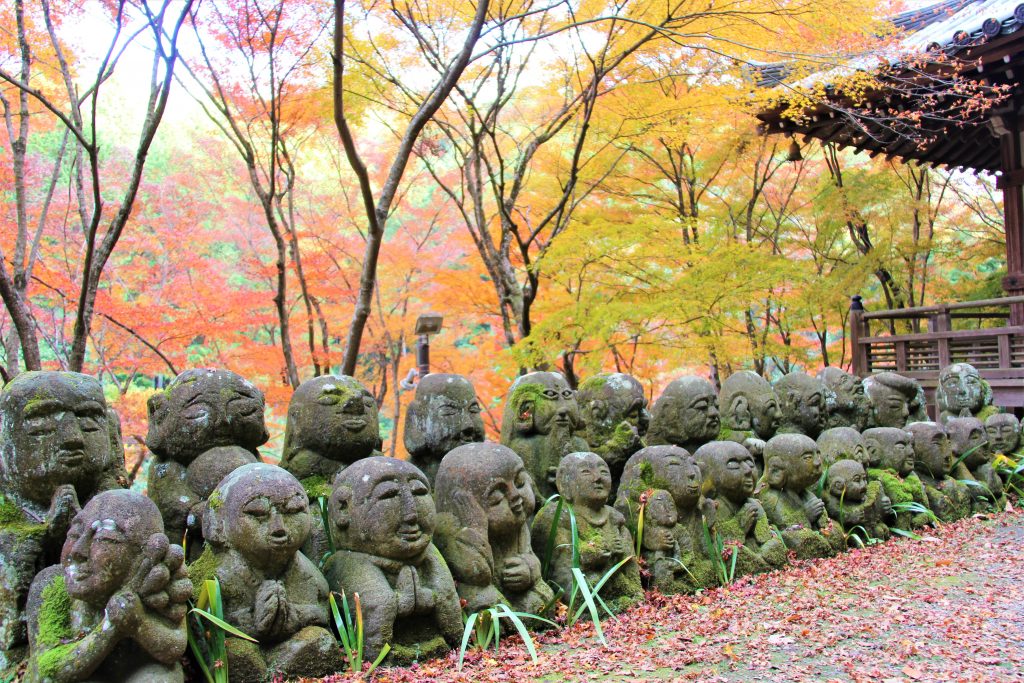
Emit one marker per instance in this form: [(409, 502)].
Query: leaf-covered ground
[(949, 607)]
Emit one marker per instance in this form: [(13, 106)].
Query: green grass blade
[(380, 658), (588, 600), (198, 654), (905, 533), (467, 632), (521, 628), (549, 551), (224, 625)]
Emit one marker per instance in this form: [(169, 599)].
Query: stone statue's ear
[(524, 418), (740, 411), (155, 403), (340, 506), (596, 409), (414, 437), (776, 473), (213, 526), (986, 393), (836, 486), (874, 451)]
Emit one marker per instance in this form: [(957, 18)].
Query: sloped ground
[(949, 607)]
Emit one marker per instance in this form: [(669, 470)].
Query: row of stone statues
[(95, 584)]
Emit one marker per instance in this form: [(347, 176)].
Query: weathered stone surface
[(854, 501), (974, 458), (200, 409), (802, 402), (585, 482), (842, 443), (1003, 431), (849, 405), (673, 469), (59, 447), (891, 463), (484, 501), (933, 462), (749, 404), (256, 521), (891, 396), (444, 415), (730, 478), (113, 611), (685, 415), (615, 414), (792, 465), (540, 422), (963, 393), (383, 522)]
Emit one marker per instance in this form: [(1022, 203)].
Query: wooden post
[(857, 329), (1011, 182)]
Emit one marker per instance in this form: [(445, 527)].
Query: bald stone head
[(792, 462), (333, 416), (1003, 431), (967, 434), (842, 443), (891, 396), (802, 401), (749, 404), (849, 406), (890, 448), (847, 481), (444, 415), (933, 451), (729, 468), (961, 391), (686, 413)]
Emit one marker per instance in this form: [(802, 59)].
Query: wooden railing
[(919, 342)]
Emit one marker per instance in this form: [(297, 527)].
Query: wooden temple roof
[(984, 37)]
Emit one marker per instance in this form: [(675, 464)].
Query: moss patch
[(54, 628), (204, 567), (13, 520), (317, 487)]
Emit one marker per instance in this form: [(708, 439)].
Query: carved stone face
[(847, 481), (610, 399), (842, 443), (686, 413), (891, 396), (382, 506), (104, 544), (204, 408), (584, 478), (933, 452), (541, 403), (960, 389), (263, 514), (660, 518), (890, 448), (968, 434), (54, 430), (1003, 432), (802, 401), (731, 469), (749, 404), (333, 416), (851, 407), (444, 415), (792, 462)]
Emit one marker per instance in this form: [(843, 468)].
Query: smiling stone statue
[(685, 415), (963, 393), (444, 415), (802, 401)]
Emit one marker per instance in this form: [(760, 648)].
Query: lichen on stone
[(317, 487)]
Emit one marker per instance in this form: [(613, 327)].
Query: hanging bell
[(794, 151)]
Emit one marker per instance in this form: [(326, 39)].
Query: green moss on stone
[(54, 628), (594, 383), (215, 500), (898, 490), (13, 520), (526, 392), (317, 487), (204, 567)]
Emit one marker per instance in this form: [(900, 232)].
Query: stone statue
[(963, 393), (660, 549), (842, 443), (854, 501), (974, 463), (891, 396), (850, 407), (585, 482), (750, 411), (484, 500), (58, 448), (383, 519), (933, 462), (199, 410), (615, 414), (540, 422), (729, 475), (792, 465), (891, 463), (1003, 431), (332, 422), (673, 469), (444, 415), (255, 523), (114, 609), (802, 402), (685, 415)]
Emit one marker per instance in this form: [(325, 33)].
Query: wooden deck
[(919, 342)]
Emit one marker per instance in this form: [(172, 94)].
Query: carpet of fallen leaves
[(949, 607)]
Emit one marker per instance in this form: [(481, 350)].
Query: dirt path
[(946, 608)]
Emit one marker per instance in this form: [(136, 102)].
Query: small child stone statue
[(891, 458), (933, 462), (856, 502)]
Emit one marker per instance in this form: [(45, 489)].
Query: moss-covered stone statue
[(58, 448), (540, 422), (963, 393), (484, 501), (585, 482), (891, 463), (849, 406), (854, 501), (842, 443), (673, 469), (730, 478), (444, 415), (383, 523), (974, 458), (891, 397), (332, 422), (802, 402), (1003, 432), (113, 610), (200, 410), (750, 411), (660, 549), (256, 521), (792, 465), (933, 462), (685, 415), (616, 418)]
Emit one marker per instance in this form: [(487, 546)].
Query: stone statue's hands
[(272, 610), (749, 514), (63, 508), (754, 445), (515, 575), (124, 611), (405, 589), (814, 508)]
